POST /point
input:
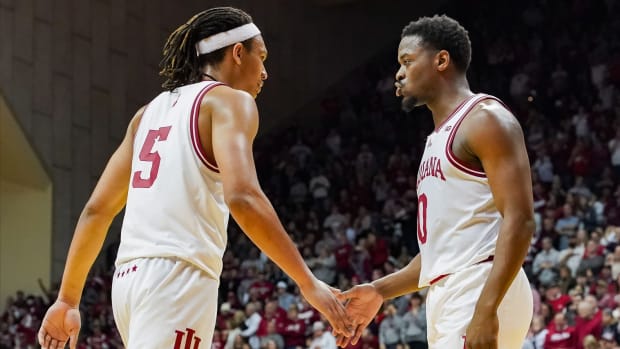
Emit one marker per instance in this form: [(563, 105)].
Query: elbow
[(93, 210), (521, 225), (529, 226), (239, 201)]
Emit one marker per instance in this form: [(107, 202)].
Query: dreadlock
[(180, 64)]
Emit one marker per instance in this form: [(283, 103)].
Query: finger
[(342, 341), (358, 333), (48, 339), (346, 341), (339, 340), (62, 345), (342, 314), (53, 344), (338, 322)]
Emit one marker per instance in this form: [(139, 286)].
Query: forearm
[(402, 282), (259, 221), (512, 246), (87, 241)]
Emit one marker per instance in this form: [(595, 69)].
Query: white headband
[(227, 38)]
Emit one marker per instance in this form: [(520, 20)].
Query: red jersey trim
[(193, 124), (437, 279), (458, 108), (454, 160)]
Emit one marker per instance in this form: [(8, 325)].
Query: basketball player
[(185, 162), (475, 210)]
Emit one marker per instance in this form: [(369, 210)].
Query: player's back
[(458, 222), (175, 204)]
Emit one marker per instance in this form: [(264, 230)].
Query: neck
[(451, 94), (210, 73)]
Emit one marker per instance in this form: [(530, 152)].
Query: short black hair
[(443, 33), (180, 64)]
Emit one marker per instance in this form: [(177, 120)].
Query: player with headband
[(186, 162)]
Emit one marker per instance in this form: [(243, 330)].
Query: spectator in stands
[(537, 334), (560, 335), (236, 323), (294, 331), (593, 258), (556, 299), (390, 328), (250, 325), (272, 339), (589, 320), (285, 298), (272, 314), (567, 226), (546, 263), (573, 254), (321, 339), (610, 331), (413, 331)]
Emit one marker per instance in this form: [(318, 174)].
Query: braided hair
[(180, 64)]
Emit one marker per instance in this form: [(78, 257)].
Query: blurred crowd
[(345, 189)]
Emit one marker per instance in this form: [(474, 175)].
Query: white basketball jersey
[(458, 222), (175, 205)]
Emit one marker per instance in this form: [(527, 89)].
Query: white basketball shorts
[(164, 303), (451, 301)]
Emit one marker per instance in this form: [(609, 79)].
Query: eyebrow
[(403, 55)]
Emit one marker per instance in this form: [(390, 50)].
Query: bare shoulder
[(490, 122), (226, 100)]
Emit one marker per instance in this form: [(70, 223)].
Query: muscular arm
[(235, 124), (498, 143), (400, 283), (106, 201), (234, 120)]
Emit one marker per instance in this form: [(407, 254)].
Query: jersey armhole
[(195, 134), (454, 160)]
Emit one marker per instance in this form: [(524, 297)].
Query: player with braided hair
[(185, 164)]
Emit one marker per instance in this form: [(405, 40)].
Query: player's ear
[(442, 60), (237, 51)]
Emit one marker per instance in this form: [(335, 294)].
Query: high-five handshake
[(362, 302), (186, 164)]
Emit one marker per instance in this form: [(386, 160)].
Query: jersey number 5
[(422, 210), (147, 154)]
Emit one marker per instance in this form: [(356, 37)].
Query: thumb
[(335, 291), (348, 294)]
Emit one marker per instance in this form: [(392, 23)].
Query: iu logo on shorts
[(188, 336)]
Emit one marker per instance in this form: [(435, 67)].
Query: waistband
[(435, 280)]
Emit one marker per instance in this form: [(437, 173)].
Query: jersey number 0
[(422, 208), (148, 155)]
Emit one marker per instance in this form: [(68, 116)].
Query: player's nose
[(400, 74), (264, 75)]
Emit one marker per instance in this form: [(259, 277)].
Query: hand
[(363, 304), (61, 323), (323, 299), (482, 330)]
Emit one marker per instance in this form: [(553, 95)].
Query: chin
[(409, 103)]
